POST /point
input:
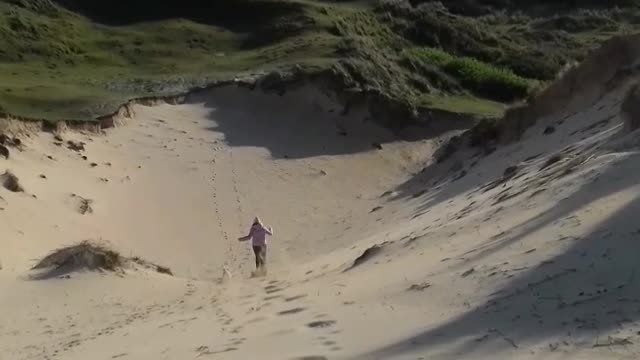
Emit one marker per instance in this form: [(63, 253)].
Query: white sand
[(502, 277)]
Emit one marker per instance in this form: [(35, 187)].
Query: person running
[(258, 233)]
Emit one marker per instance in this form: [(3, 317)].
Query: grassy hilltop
[(75, 59)]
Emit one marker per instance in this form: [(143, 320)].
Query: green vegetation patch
[(492, 82), (483, 79)]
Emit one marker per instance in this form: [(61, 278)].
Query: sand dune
[(524, 252)]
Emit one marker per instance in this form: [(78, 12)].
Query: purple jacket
[(258, 234)]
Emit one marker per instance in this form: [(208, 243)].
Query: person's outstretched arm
[(269, 230), (245, 238)]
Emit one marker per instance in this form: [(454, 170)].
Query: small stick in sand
[(226, 274)]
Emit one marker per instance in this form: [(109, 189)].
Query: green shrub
[(484, 79), (488, 80)]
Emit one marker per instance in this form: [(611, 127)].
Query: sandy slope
[(475, 262), (178, 185)]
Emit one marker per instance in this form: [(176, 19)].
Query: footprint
[(292, 311), (204, 350), (321, 324), (289, 299), (312, 357), (258, 319)]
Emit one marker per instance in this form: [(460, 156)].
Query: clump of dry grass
[(91, 256), (84, 255), (10, 182)]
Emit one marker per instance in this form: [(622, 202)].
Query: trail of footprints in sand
[(227, 322), (216, 205), (124, 319), (236, 192), (275, 292)]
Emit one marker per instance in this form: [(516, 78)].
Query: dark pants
[(261, 255)]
